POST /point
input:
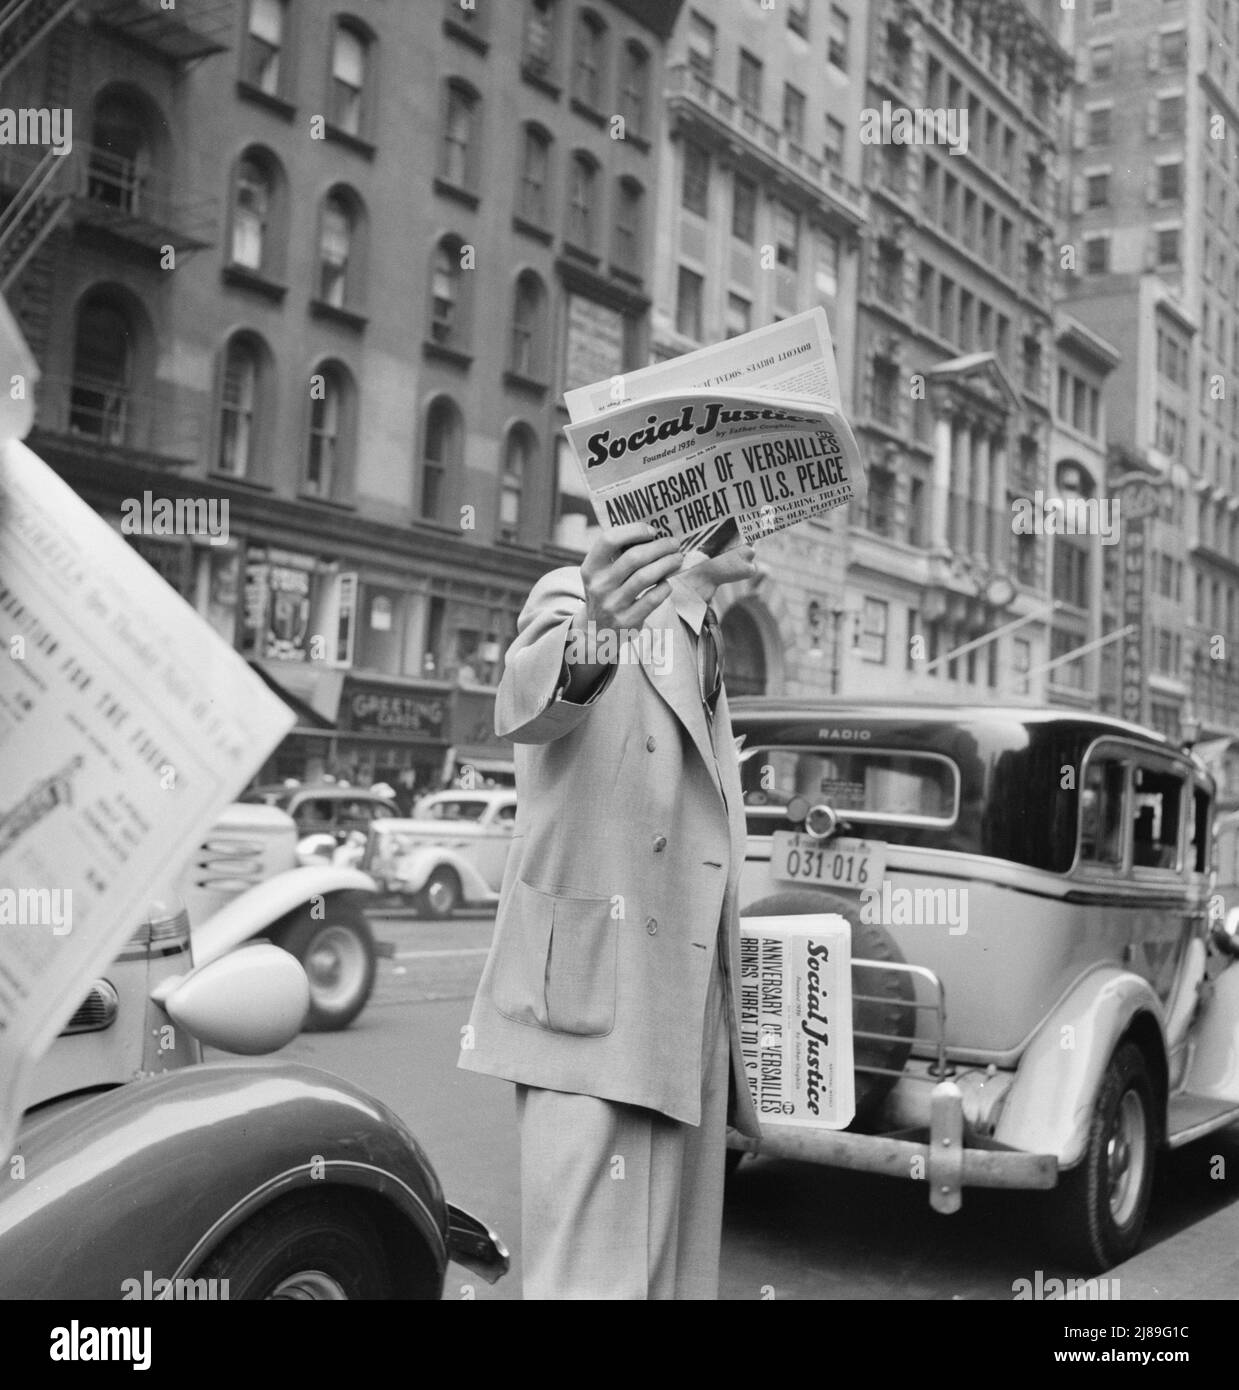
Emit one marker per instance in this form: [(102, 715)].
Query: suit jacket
[(625, 859)]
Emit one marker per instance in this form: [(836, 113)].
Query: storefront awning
[(313, 693)]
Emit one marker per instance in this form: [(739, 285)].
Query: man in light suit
[(611, 993)]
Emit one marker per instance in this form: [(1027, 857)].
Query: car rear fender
[(414, 869), (152, 1176), (1050, 1105), (258, 907)]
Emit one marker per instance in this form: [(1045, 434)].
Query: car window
[(314, 811), (869, 783), (456, 809), (1101, 813), (506, 813), (1156, 818)]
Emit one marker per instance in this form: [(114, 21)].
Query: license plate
[(841, 863)]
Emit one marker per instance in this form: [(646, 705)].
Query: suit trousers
[(621, 1202)]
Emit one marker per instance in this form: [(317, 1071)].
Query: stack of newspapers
[(722, 446)]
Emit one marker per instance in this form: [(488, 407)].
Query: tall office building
[(759, 217), (334, 265), (954, 350)]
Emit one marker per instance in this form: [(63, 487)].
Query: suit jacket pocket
[(556, 966)]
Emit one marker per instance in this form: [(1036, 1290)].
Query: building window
[(739, 315), (533, 201), (826, 264), (743, 209), (880, 506), (832, 151), (1097, 254), (1097, 190), (238, 407), (688, 303), (349, 56), (100, 396), (702, 43), (264, 41), (540, 36), (582, 187), (1101, 62), (888, 281), (1032, 364), (517, 456), (1170, 115), (886, 392), (1098, 128), (1103, 9), (749, 82), (252, 200), (335, 245), (1168, 246), (634, 87), (440, 456), (798, 17), (1170, 182), (793, 114), (447, 319), (325, 451), (589, 59), (1172, 49), (628, 220), (786, 236), (838, 37), (457, 156), (925, 294), (873, 630), (528, 325), (695, 179)]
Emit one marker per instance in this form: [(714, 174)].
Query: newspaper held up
[(126, 725), (796, 1019), (722, 446)]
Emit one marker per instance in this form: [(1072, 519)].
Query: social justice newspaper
[(126, 725), (721, 446), (796, 1019)]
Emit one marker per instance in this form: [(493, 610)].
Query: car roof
[(315, 789)]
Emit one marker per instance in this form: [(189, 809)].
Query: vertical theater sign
[(1140, 500)]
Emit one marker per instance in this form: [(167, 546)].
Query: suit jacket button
[(651, 925), (650, 745), (660, 843)]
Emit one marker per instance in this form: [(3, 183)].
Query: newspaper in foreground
[(722, 446), (126, 725), (796, 1019)]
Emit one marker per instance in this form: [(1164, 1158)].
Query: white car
[(451, 852)]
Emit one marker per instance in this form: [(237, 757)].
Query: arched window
[(264, 43), (582, 199), (328, 447), (350, 59), (629, 210), (241, 405), (527, 355), (458, 152), (518, 457), (533, 196), (635, 87), (449, 300), (589, 60), (122, 153), (440, 457), (103, 369), (539, 53), (339, 246), (257, 212), (744, 653)]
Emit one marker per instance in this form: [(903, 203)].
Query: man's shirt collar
[(688, 604)]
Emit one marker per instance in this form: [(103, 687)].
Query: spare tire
[(894, 1019)]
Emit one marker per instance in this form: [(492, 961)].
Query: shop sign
[(385, 709)]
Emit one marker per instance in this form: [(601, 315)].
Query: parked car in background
[(248, 868), (1045, 874), (325, 808), (450, 853), (142, 1172)]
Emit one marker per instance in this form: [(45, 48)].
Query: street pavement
[(791, 1230)]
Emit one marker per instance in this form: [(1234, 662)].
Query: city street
[(792, 1231)]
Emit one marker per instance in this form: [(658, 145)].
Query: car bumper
[(938, 1156), (472, 1243)]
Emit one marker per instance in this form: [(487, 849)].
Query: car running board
[(1191, 1117)]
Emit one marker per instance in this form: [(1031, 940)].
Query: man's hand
[(625, 577), (622, 564)]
